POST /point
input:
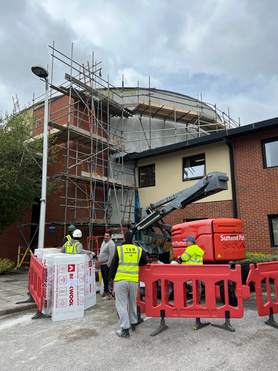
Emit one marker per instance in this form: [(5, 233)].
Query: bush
[(259, 258), (6, 266)]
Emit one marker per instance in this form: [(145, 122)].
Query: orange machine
[(222, 240)]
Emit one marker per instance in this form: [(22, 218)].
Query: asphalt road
[(90, 343)]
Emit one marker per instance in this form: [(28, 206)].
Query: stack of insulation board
[(45, 256), (69, 284)]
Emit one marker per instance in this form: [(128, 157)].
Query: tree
[(20, 167)]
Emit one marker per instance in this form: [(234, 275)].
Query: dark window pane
[(147, 176), (274, 229)]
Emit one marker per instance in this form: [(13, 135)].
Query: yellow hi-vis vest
[(69, 237), (192, 255), (71, 249), (128, 268)]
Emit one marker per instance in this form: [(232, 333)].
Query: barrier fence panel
[(179, 277), (94, 244), (263, 275), (36, 281)]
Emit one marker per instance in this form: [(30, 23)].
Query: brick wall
[(202, 210), (11, 238), (256, 189)]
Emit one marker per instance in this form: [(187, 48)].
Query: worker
[(69, 236), (124, 270), (192, 255), (107, 250), (73, 246)]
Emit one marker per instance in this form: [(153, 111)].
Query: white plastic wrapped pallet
[(69, 283), (68, 287), (90, 283), (45, 256)]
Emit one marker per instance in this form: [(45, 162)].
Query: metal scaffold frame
[(95, 124), (81, 128)]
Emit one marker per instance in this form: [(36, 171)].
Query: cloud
[(222, 50)]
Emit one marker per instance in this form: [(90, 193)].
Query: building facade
[(120, 149), (248, 155)]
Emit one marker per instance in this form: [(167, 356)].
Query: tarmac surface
[(90, 343)]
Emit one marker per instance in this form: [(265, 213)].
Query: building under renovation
[(95, 125)]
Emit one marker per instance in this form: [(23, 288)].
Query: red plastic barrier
[(179, 275), (36, 281), (96, 247), (264, 271)]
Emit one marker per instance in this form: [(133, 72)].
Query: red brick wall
[(203, 210), (256, 189), (11, 238), (55, 211), (59, 110)]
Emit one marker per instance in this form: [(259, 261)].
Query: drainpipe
[(231, 155)]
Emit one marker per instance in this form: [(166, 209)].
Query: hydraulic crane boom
[(152, 217)]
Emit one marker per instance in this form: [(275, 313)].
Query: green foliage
[(171, 255), (20, 167), (6, 266), (259, 258)]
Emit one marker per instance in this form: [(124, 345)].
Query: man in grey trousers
[(106, 254), (125, 272)]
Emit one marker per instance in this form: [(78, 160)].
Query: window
[(194, 167), (270, 153), (147, 176), (273, 228)]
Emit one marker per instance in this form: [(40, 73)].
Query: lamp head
[(40, 71)]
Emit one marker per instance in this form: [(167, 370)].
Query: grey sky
[(224, 50)]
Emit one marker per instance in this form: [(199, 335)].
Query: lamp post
[(43, 74)]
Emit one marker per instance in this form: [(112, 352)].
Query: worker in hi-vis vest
[(192, 255), (73, 246), (124, 269), (69, 236)]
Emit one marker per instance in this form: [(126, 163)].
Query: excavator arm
[(152, 215)]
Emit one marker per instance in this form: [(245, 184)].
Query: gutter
[(231, 155)]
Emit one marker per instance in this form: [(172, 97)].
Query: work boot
[(133, 327), (107, 297), (123, 333)]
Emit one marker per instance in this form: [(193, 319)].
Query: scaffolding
[(95, 124)]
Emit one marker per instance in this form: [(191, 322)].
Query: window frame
[(271, 231), (139, 176), (193, 157), (264, 142)]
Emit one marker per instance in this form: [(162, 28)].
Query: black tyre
[(142, 293), (231, 291)]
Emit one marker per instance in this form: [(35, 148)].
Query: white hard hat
[(77, 233)]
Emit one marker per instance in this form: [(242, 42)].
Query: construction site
[(95, 125)]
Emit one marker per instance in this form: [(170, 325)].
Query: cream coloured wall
[(168, 173)]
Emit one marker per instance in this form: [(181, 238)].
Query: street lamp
[(43, 74)]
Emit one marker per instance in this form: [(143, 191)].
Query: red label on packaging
[(71, 268), (71, 296)]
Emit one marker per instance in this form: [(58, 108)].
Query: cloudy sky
[(222, 50)]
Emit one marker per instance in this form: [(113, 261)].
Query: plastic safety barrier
[(36, 281), (180, 306), (263, 274), (96, 246)]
